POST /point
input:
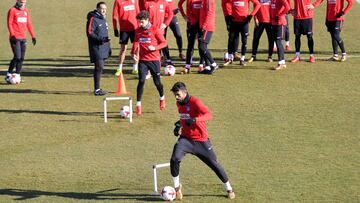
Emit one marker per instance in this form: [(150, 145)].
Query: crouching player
[(193, 138), (148, 42)]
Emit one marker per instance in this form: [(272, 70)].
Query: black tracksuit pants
[(154, 68), (203, 150), (258, 30), (18, 48)]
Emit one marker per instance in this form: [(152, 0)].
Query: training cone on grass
[(121, 89)]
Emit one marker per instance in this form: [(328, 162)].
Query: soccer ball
[(168, 193), (125, 112), (15, 79), (170, 70)]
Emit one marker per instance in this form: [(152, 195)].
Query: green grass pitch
[(287, 136)]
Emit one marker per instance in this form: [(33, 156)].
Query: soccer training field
[(286, 136)]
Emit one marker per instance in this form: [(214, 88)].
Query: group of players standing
[(144, 23), (200, 18), (271, 15)]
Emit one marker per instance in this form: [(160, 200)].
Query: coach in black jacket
[(99, 43)]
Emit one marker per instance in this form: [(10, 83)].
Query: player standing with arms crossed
[(335, 12), (124, 15), (193, 138), (240, 19), (18, 22), (303, 25), (149, 40), (279, 8), (262, 21)]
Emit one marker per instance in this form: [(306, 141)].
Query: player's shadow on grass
[(20, 194), (67, 72), (31, 91), (48, 112)]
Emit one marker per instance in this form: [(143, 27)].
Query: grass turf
[(288, 136)]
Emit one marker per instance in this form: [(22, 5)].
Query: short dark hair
[(178, 86), (99, 4), (143, 15)]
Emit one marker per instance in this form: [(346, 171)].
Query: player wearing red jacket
[(18, 22), (160, 17), (175, 28), (240, 18), (207, 27), (303, 25), (124, 16), (149, 40), (226, 8), (192, 17), (193, 138), (335, 12), (278, 10), (160, 13), (262, 22)]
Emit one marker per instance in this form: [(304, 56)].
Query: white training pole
[(131, 109), (155, 180), (155, 167), (105, 110)]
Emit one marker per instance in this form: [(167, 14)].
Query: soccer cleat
[(296, 59), (228, 62), (252, 59), (280, 66), (7, 79), (185, 71), (231, 194), (214, 68), (169, 62), (269, 59), (100, 92), (312, 59), (179, 194), (333, 58), (343, 58), (237, 56), (138, 110), (118, 72), (201, 68), (207, 71), (182, 56), (135, 72), (287, 48), (162, 104), (242, 63)]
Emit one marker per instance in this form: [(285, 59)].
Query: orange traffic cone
[(121, 89)]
